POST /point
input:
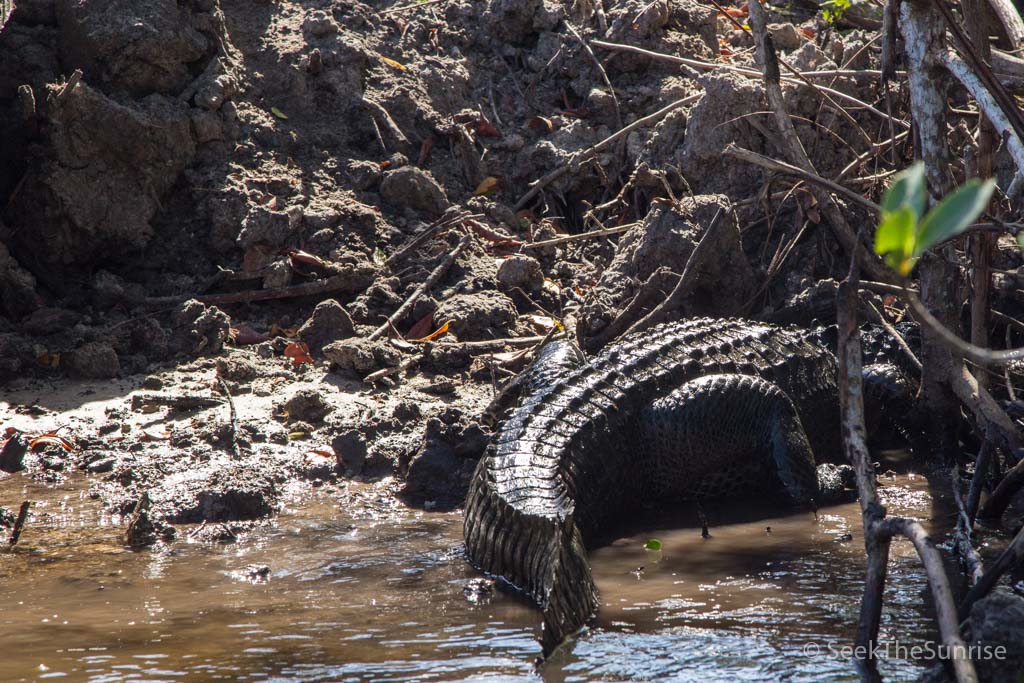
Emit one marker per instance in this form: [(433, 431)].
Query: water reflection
[(344, 598)]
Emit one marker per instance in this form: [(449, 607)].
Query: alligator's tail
[(542, 556)]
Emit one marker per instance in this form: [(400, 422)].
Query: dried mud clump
[(668, 235)]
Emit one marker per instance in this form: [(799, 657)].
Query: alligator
[(692, 410)]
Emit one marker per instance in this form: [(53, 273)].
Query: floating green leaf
[(652, 544)]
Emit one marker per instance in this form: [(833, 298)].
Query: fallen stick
[(694, 262), (602, 232), (175, 401), (436, 275), (19, 524), (384, 118), (1013, 554), (335, 283), (709, 66), (794, 149), (232, 419), (962, 536), (415, 5), (656, 282), (442, 222), (585, 155), (782, 167), (600, 70)]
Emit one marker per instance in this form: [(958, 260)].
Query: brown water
[(380, 596)]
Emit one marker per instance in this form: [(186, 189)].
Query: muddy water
[(325, 594)]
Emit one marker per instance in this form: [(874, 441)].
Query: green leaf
[(908, 190), (952, 215), (895, 238), (278, 113), (378, 256), (653, 544)]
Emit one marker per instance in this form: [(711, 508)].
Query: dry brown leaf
[(392, 63), (486, 186), (422, 327), (298, 352), (436, 333)]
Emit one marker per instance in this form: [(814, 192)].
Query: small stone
[(308, 405), (361, 356), (413, 188), (520, 271), (94, 360), (153, 383), (350, 450), (785, 36), (329, 323), (45, 321)]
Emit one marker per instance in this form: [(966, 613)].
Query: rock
[(361, 356), (350, 450), (441, 468), (206, 125), (237, 369), (94, 360), (139, 46), (997, 621), (307, 404), (329, 322), (7, 517), (200, 328), (483, 315), (266, 226), (520, 271), (17, 286), (668, 235), (130, 154), (12, 456), (414, 188), (785, 36), (49, 321), (277, 274)]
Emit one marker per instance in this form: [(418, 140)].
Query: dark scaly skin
[(608, 434)]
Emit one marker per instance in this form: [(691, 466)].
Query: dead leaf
[(486, 186), (154, 435), (321, 453), (540, 123), (485, 129), (286, 332), (298, 352), (379, 257), (542, 323), (297, 435), (392, 63), (49, 360), (422, 327), (808, 33), (51, 439), (299, 256), (551, 287), (243, 335), (436, 333)]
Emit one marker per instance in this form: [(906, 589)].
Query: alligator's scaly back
[(568, 456)]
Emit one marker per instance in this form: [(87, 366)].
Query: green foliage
[(833, 10), (653, 544), (905, 231)]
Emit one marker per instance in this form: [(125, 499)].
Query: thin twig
[(782, 167), (582, 156), (415, 5), (694, 263), (1013, 554), (383, 117), (600, 70), (794, 149), (450, 218), (962, 537), (603, 232), (431, 280), (830, 73), (232, 418)]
